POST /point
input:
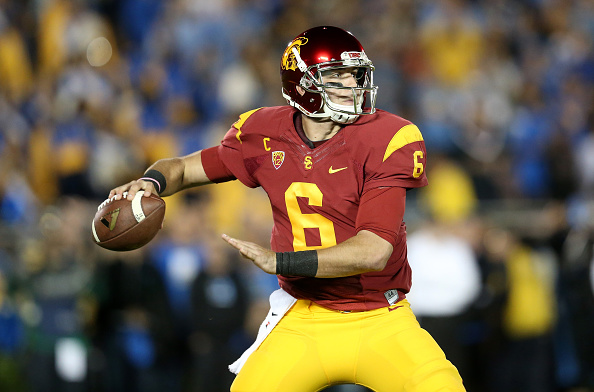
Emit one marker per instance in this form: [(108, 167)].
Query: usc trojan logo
[(288, 61), (307, 162)]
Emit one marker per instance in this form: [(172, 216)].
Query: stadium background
[(92, 91)]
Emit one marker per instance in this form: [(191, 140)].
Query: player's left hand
[(264, 258)]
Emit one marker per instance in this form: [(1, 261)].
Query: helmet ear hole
[(314, 101)]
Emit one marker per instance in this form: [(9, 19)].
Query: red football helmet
[(320, 49)]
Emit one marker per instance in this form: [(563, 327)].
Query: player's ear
[(300, 90)]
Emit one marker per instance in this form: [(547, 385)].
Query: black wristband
[(156, 177), (304, 263)]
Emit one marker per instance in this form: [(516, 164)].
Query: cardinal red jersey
[(315, 193)]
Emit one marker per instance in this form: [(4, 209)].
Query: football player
[(336, 170)]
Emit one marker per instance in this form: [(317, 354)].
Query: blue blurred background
[(93, 91)]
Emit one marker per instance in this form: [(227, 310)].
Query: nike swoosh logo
[(332, 171), (391, 309), (274, 314)]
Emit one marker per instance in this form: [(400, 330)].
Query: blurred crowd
[(93, 91)]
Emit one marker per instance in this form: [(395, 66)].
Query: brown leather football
[(123, 225)]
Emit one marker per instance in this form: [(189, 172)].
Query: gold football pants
[(313, 347)]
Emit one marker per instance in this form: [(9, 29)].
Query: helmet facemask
[(363, 93)]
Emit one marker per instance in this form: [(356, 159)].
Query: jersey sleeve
[(381, 211), (396, 158), (232, 151), (215, 169)]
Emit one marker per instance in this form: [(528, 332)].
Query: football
[(123, 225)]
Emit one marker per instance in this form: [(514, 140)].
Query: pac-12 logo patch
[(278, 157)]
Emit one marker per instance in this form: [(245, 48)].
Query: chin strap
[(339, 117), (326, 112)]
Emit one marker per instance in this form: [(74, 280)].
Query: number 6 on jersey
[(301, 221)]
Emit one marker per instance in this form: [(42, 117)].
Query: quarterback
[(336, 170)]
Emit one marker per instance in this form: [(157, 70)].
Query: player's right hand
[(263, 258), (132, 187)]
